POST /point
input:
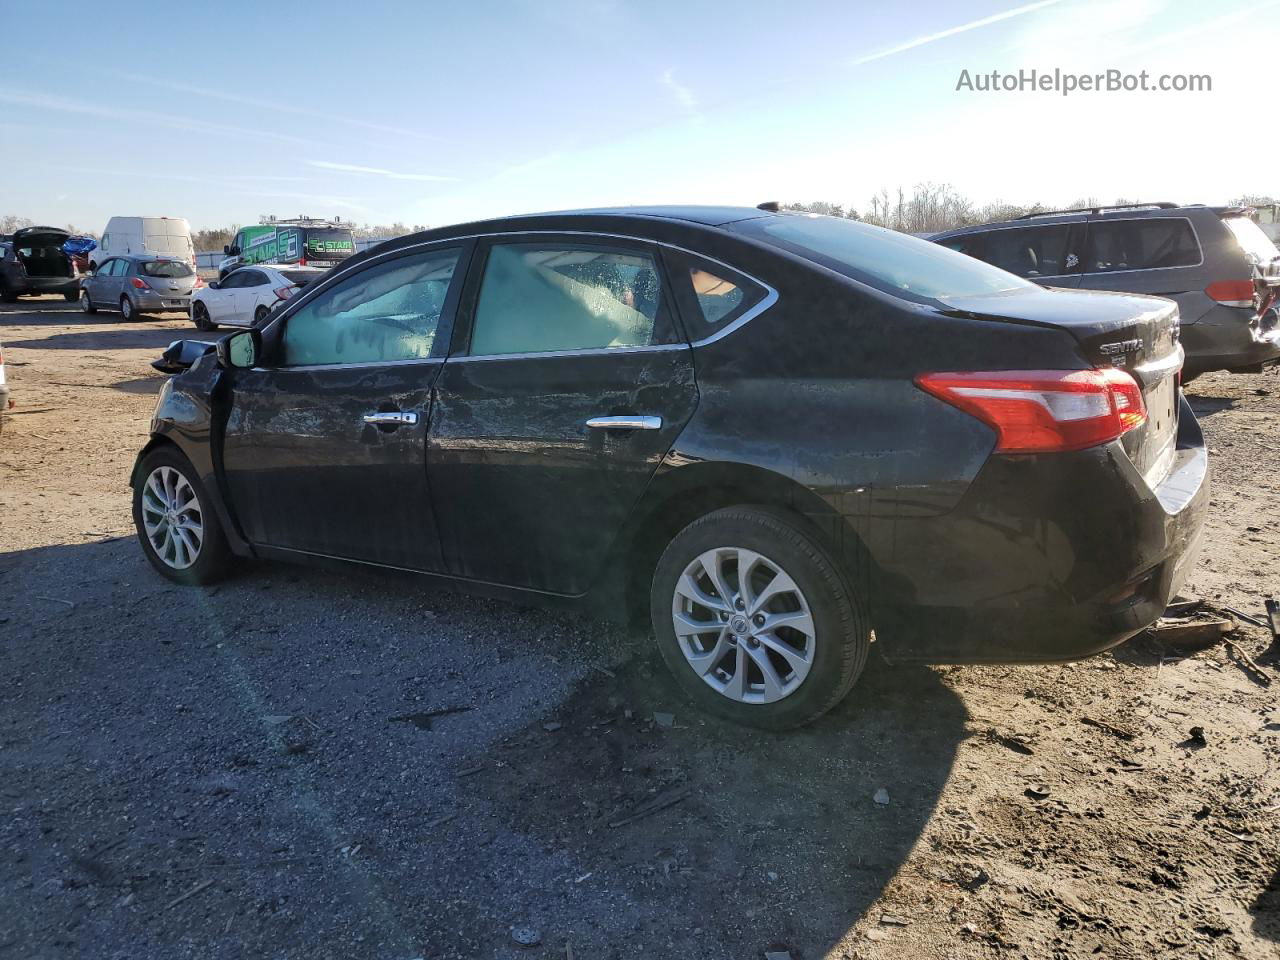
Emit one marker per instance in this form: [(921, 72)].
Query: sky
[(427, 113)]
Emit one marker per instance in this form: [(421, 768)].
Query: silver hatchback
[(136, 285)]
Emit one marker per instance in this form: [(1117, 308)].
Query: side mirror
[(226, 248), (212, 284), (240, 350), (233, 250)]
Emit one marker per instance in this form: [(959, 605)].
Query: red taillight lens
[(284, 293), (1044, 411), (302, 261), (140, 283), (1231, 293)]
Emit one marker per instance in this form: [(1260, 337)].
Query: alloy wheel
[(743, 625), (172, 518)]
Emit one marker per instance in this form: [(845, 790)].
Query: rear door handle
[(392, 418), (625, 423)]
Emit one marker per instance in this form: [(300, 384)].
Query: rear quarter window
[(1146, 244), (711, 296)]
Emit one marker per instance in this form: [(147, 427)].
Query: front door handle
[(392, 418), (625, 423)]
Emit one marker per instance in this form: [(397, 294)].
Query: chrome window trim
[(770, 298)]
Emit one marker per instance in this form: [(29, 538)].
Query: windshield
[(330, 243), (894, 262), (165, 268), (1256, 245)]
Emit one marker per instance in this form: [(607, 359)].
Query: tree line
[(933, 208)]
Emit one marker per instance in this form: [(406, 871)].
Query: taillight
[(1043, 411), (1231, 293), (140, 283), (284, 293)]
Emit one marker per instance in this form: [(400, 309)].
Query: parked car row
[(760, 435), (1216, 263)]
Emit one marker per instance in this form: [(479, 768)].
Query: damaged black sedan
[(760, 434)]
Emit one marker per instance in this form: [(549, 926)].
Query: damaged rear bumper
[(1046, 557)]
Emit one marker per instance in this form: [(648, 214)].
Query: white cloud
[(952, 31), (683, 95), (377, 171)]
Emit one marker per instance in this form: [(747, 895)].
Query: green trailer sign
[(292, 244)]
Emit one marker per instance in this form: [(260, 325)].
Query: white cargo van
[(166, 236)]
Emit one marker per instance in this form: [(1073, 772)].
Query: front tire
[(200, 317), (176, 521), (755, 619), (86, 304)]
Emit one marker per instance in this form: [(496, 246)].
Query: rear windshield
[(1256, 245), (165, 268), (894, 262), (330, 242)]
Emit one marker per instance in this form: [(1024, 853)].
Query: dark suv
[(762, 434), (1215, 262), (32, 261)]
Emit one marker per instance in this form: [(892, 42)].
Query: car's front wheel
[(176, 522), (755, 619), (86, 304), (200, 317)]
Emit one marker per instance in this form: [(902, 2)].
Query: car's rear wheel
[(755, 619), (8, 296), (71, 296), (176, 522), (200, 317), (126, 309), (86, 304), (260, 315)]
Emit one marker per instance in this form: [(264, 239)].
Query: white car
[(247, 295)]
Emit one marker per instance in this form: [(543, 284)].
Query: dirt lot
[(228, 773)]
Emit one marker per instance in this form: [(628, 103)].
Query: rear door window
[(1147, 244), (544, 297), (1031, 251)]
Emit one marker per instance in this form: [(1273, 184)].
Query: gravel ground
[(304, 764)]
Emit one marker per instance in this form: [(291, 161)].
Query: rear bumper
[(157, 302), (1226, 338), (1048, 557), (34, 286)]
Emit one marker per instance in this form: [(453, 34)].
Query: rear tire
[(8, 296), (200, 317), (260, 315), (86, 304), (814, 659), (127, 310), (176, 521), (71, 297)]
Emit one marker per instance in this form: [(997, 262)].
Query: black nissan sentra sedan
[(765, 434)]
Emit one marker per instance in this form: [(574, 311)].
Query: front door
[(565, 390), (325, 450)]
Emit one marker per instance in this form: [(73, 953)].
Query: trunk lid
[(1134, 333)]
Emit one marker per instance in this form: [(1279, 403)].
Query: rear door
[(247, 295), (566, 387), (325, 451)]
